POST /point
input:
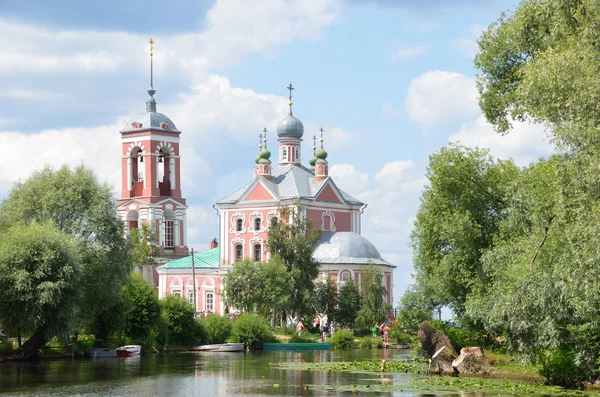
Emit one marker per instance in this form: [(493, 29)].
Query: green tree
[(540, 63), (40, 272), (179, 315), (349, 304), (217, 328), (242, 284), (326, 299), (414, 308), (459, 216), (142, 310), (373, 294), (273, 292), (83, 209), (292, 241)]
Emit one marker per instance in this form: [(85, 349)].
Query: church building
[(151, 193)]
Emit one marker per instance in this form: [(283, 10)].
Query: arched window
[(257, 222), (284, 153), (239, 252), (274, 220), (238, 224), (191, 297), (297, 153), (177, 293), (169, 229), (210, 301), (257, 252)]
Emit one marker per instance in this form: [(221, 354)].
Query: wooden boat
[(128, 351), (100, 352), (222, 347), (298, 346)]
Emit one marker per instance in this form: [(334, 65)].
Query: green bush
[(300, 339), (560, 368), (343, 339), (6, 348), (182, 328), (217, 328), (397, 335), (142, 310), (253, 330)]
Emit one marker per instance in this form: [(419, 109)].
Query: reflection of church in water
[(151, 192)]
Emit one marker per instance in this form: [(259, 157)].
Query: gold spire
[(265, 139), (289, 87), (151, 46), (321, 137), (314, 143), (260, 138)]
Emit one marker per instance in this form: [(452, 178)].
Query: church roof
[(289, 182), (346, 248), (153, 120), (202, 260)]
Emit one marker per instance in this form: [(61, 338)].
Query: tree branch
[(546, 228)]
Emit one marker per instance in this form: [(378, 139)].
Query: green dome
[(313, 160), (264, 161), (257, 158), (321, 161), (321, 154), (264, 154)]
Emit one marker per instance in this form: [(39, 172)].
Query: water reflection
[(193, 374)]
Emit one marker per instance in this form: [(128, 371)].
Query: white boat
[(129, 350), (100, 352), (223, 347)]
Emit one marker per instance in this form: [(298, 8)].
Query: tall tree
[(349, 304), (142, 309), (326, 298), (242, 284), (373, 293), (540, 63), (40, 274), (84, 209), (458, 217), (291, 237)]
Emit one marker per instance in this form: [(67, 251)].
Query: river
[(198, 374)]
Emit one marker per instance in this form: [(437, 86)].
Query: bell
[(141, 158), (160, 158)]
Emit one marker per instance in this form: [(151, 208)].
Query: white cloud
[(26, 94), (202, 226), (525, 143), (400, 176), (403, 52), (439, 98), (467, 43), (352, 180)]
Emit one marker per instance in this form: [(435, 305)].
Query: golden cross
[(151, 45)]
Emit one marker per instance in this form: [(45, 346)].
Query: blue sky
[(389, 81)]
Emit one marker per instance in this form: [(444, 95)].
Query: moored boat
[(100, 352), (128, 351), (298, 346), (222, 347)]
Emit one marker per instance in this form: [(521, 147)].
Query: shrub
[(216, 328), (178, 315), (366, 342), (397, 335), (343, 339), (300, 339), (142, 310), (559, 368), (253, 330)]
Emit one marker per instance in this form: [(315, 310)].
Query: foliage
[(540, 63), (349, 304), (142, 310), (397, 335), (300, 339), (292, 241), (182, 328), (560, 368), (241, 284), (368, 342), (251, 329), (373, 308), (459, 215), (142, 244), (83, 209), (326, 299), (343, 339), (40, 272), (217, 328), (414, 308)]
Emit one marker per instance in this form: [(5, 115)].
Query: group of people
[(323, 328), (383, 331)]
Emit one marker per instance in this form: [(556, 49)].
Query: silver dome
[(290, 127), (150, 120), (346, 248)]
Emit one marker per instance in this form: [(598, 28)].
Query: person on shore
[(375, 330), (332, 330), (381, 330), (299, 328), (386, 333), (324, 332)]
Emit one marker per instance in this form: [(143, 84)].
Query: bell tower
[(150, 177)]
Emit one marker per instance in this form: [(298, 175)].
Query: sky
[(390, 82)]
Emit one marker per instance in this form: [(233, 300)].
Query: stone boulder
[(438, 347)]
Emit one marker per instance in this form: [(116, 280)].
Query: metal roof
[(289, 182), (150, 120), (202, 260), (346, 248)]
